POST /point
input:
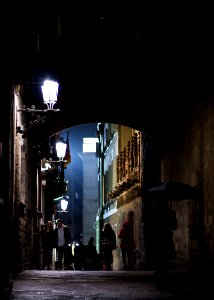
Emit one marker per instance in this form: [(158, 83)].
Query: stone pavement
[(113, 285)]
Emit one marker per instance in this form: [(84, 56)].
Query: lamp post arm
[(62, 170), (30, 110)]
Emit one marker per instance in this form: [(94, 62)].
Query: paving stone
[(87, 285)]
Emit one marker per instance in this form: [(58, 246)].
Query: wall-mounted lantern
[(64, 205), (63, 201), (61, 146), (50, 94), (53, 169)]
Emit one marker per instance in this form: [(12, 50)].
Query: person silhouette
[(127, 245), (79, 255), (62, 244), (47, 238), (108, 244), (90, 255)]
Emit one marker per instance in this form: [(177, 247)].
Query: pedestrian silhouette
[(164, 223), (108, 244), (90, 255), (47, 238), (79, 256), (127, 245), (62, 244)]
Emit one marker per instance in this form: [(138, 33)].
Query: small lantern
[(61, 149), (50, 93), (64, 205)]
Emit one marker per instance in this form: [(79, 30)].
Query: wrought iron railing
[(128, 167)]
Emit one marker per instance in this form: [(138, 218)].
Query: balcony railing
[(129, 159), (129, 167)]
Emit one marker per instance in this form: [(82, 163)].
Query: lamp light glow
[(50, 93), (61, 149), (64, 204)]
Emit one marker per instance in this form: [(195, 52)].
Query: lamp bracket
[(33, 109), (36, 122)]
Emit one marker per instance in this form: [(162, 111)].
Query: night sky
[(76, 135), (74, 174)]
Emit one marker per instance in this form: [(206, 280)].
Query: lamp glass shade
[(64, 204), (50, 93), (61, 149)]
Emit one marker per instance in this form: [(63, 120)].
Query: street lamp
[(50, 93), (64, 205), (53, 170), (63, 200), (61, 146)]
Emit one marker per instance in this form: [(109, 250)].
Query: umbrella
[(173, 190)]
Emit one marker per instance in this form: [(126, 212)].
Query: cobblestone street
[(115, 285)]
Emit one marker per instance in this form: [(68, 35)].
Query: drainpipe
[(99, 217)]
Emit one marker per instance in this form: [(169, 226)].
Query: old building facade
[(120, 180)]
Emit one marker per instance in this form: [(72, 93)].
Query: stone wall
[(191, 160), (22, 213)]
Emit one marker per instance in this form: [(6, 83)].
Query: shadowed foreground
[(36, 284)]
